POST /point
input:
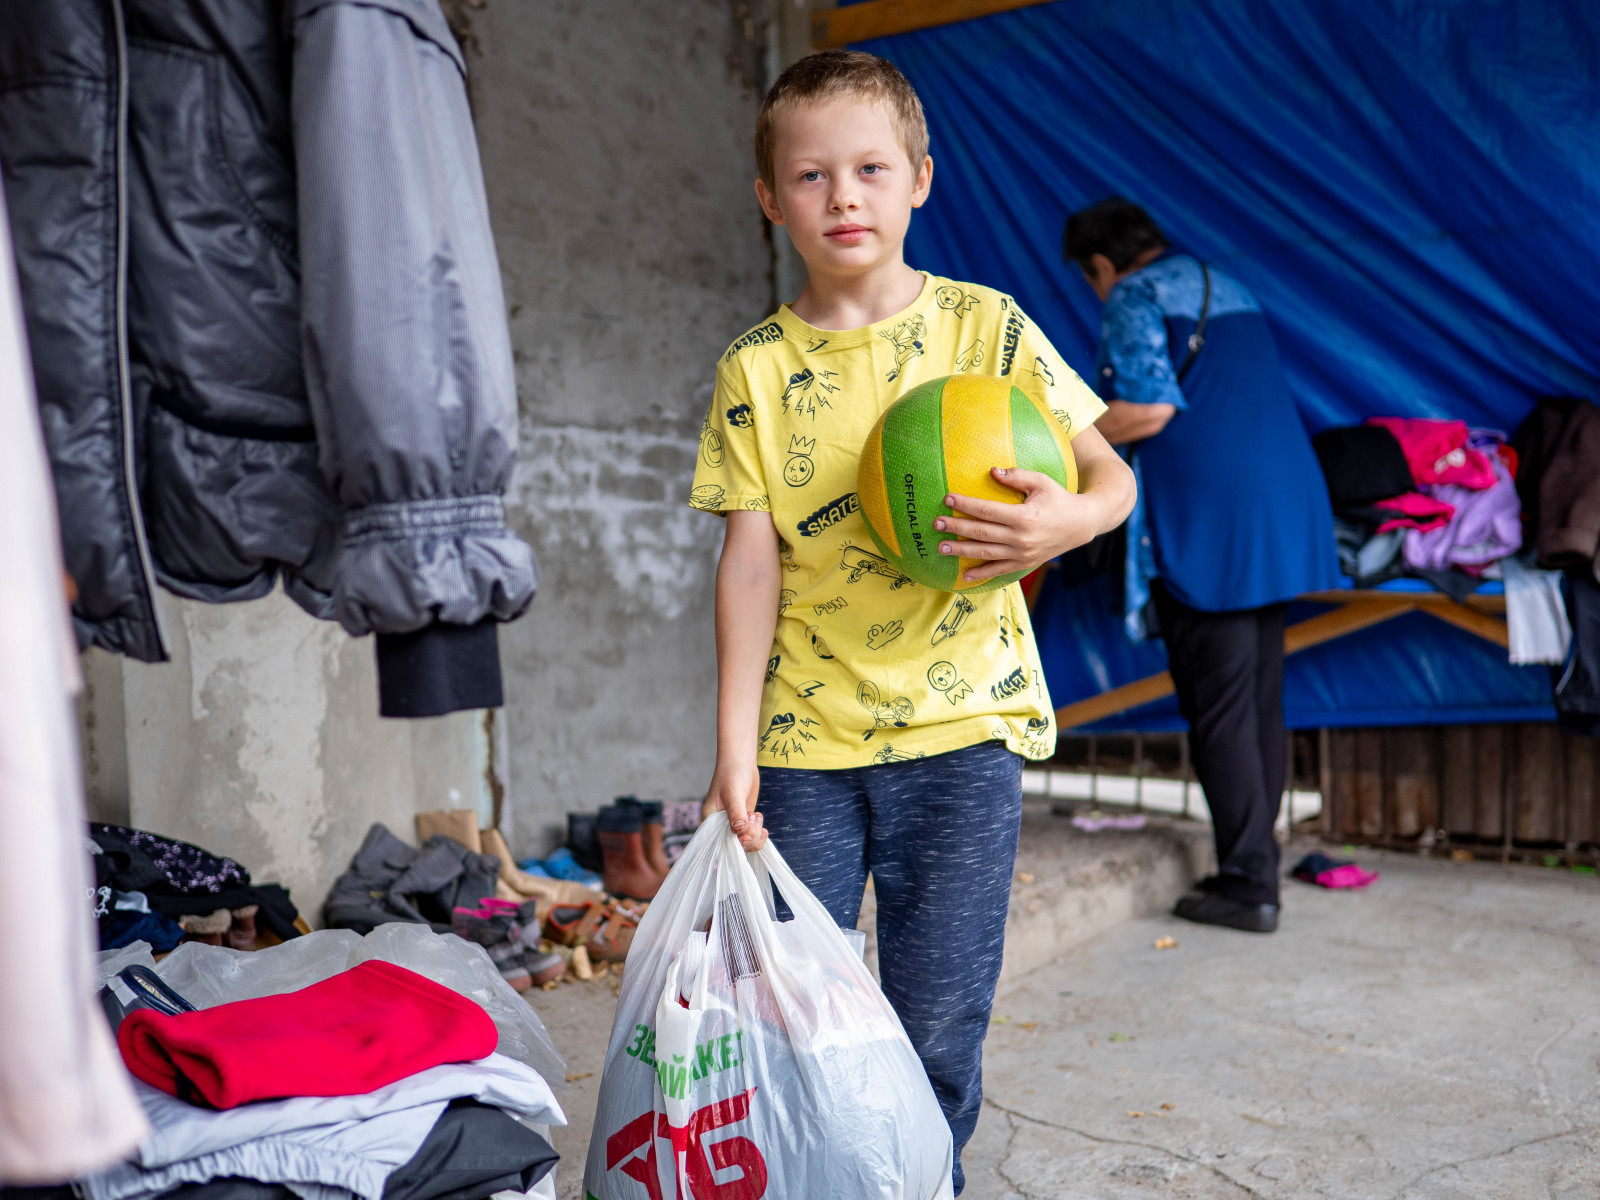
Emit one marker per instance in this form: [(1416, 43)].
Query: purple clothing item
[(1487, 524)]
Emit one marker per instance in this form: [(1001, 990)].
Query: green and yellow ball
[(945, 436)]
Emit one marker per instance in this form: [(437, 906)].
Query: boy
[(888, 722)]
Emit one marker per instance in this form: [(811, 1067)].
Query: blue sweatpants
[(939, 836)]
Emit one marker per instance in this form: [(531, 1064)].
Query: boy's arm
[(748, 578), (1049, 521)]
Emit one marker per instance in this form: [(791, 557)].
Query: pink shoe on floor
[(1351, 875)]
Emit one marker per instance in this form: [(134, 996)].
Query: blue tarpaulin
[(1409, 188)]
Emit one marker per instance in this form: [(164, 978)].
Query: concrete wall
[(615, 138), (261, 740), (616, 145)]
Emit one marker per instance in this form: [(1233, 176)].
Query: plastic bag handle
[(758, 866), (766, 866)]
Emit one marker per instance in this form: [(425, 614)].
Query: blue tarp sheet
[(1410, 189)]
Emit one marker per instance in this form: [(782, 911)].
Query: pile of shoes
[(603, 931), (627, 843), (461, 880), (561, 864), (540, 920), (376, 1082), (509, 932), (159, 890)]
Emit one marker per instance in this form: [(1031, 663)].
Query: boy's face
[(843, 185)]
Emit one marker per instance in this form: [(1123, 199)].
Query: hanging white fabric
[(1536, 614), (66, 1103)]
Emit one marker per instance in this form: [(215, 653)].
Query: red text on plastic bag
[(724, 1155)]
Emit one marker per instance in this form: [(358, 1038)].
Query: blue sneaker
[(561, 865)]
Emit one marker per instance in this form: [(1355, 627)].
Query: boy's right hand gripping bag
[(756, 1058)]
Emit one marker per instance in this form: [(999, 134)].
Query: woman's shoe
[(655, 852), (242, 933), (1213, 908)]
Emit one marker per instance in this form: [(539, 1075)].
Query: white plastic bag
[(755, 1058)]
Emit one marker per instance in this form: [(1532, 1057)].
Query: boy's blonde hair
[(832, 74)]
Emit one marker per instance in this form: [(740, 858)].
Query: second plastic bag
[(756, 1058)]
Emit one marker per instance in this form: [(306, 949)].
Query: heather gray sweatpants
[(939, 836)]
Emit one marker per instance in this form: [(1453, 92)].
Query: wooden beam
[(1119, 699), (1491, 629), (1373, 608), (835, 27), (1324, 627), (1420, 599)]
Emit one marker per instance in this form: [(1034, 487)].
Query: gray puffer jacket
[(264, 309)]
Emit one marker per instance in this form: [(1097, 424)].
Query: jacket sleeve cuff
[(412, 563), (439, 669)]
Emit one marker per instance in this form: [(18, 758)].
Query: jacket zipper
[(124, 388)]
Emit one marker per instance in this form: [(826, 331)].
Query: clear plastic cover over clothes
[(756, 1058), (210, 975)]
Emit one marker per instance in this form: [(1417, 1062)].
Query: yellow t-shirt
[(868, 667)]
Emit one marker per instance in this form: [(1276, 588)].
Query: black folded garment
[(474, 1151), (179, 878), (1362, 463), (278, 912), (148, 862)]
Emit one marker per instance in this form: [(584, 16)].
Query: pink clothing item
[(1486, 526), (1351, 875), (1413, 510), (1093, 824), (1437, 451)]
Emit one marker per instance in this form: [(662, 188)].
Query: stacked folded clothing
[(1422, 497), (375, 1083), (160, 890), (364, 1029)]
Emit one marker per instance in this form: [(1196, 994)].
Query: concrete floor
[(1069, 887), (1434, 1037), (578, 1016)]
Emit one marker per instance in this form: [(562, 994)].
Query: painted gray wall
[(616, 145), (260, 740), (615, 137)]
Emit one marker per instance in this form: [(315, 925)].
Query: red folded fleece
[(359, 1031)]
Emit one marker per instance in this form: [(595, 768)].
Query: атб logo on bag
[(633, 1149)]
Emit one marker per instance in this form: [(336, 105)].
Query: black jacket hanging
[(266, 320)]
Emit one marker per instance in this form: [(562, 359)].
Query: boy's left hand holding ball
[(1019, 537)]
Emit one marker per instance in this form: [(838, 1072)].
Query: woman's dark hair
[(1115, 227)]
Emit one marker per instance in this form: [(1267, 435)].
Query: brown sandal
[(573, 924), (613, 939)]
